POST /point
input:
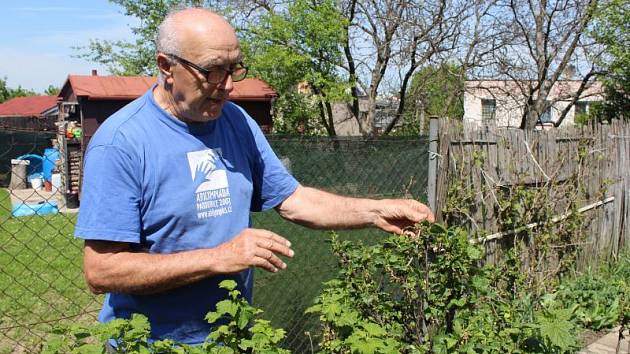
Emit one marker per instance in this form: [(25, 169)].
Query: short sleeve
[(110, 196), (272, 182)]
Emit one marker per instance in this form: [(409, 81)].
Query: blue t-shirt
[(165, 186)]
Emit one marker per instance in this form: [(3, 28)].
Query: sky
[(38, 36)]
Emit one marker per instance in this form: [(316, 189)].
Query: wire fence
[(41, 279)]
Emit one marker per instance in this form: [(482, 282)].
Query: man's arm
[(114, 267), (318, 209)]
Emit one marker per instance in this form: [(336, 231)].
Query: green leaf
[(374, 330), (558, 332), (212, 317), (242, 322), (227, 307), (91, 349), (228, 284), (474, 253)]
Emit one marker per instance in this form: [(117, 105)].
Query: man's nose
[(227, 84)]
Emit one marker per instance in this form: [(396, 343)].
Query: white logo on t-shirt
[(212, 193)]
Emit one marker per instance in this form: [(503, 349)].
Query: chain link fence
[(41, 280)]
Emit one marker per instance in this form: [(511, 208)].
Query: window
[(581, 115), (581, 107), (488, 109), (546, 116)]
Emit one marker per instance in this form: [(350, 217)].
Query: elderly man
[(170, 181)]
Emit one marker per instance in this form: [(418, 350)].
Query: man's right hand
[(252, 248)]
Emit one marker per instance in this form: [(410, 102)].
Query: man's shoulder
[(238, 117), (129, 121)]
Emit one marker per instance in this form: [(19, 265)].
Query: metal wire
[(41, 280)]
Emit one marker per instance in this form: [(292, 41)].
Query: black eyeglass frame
[(206, 73)]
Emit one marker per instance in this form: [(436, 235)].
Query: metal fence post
[(433, 162)]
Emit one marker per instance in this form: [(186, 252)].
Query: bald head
[(199, 35)]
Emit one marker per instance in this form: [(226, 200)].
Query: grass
[(42, 285), (41, 280)]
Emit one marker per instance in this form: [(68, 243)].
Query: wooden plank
[(508, 161)]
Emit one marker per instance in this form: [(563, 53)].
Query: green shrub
[(244, 332), (432, 294)]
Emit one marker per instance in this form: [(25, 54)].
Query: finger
[(273, 236), (389, 227), (275, 247), (419, 212), (265, 264), (270, 257)]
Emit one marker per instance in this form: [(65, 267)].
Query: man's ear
[(164, 65)]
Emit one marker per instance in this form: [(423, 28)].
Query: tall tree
[(300, 44), (388, 41), (430, 94), (135, 57), (549, 37)]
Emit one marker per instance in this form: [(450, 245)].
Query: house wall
[(345, 123), (510, 104)]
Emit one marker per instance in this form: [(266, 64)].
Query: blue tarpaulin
[(43, 208)]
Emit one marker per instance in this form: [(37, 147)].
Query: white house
[(501, 102)]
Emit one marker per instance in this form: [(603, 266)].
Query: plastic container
[(51, 155), (56, 181), (35, 163), (36, 183)]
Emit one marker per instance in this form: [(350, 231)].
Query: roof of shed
[(97, 87), (31, 106)]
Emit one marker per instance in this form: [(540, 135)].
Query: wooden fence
[(493, 159)]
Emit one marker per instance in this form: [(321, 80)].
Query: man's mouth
[(217, 99)]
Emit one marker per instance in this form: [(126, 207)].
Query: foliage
[(295, 113), (237, 335), (7, 93), (134, 57), (612, 31), (132, 336), (52, 90), (431, 294), (301, 45), (435, 91), (599, 295)]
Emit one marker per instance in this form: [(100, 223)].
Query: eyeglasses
[(215, 76)]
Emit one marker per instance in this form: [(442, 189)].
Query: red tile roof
[(31, 106), (252, 89), (98, 87), (109, 87)]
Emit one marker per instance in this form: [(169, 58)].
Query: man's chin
[(204, 117), (214, 109)]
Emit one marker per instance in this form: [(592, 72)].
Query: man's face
[(196, 99), (212, 46)]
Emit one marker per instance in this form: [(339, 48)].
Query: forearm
[(322, 210), (145, 273)]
